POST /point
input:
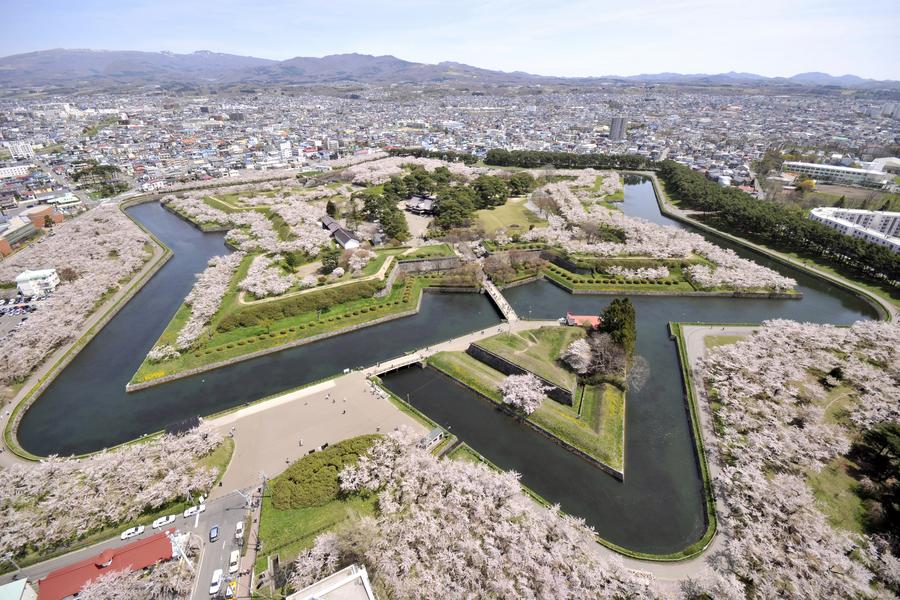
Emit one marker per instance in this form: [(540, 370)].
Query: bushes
[(313, 480), (296, 305)]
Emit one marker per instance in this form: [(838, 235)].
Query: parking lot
[(15, 310)]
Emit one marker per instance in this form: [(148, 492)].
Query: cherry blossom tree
[(641, 273), (110, 249), (206, 296), (453, 529), (523, 392), (62, 499), (170, 580), (578, 356), (265, 278), (773, 430), (573, 230)]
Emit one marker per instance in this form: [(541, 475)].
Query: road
[(225, 512)]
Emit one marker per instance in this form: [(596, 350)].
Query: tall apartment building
[(878, 227), (617, 128)]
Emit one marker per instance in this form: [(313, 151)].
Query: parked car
[(163, 521), (190, 512), (239, 531), (231, 589), (214, 533), (216, 583), (130, 533), (234, 562)]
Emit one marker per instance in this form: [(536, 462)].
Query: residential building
[(881, 228), (20, 150), (68, 581), (837, 174), (15, 231), (21, 170), (37, 283), (617, 128), (351, 583)]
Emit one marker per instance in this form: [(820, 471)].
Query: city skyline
[(560, 39)]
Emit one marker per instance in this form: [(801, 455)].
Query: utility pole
[(181, 551)]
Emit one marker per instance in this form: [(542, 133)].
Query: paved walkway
[(271, 435)]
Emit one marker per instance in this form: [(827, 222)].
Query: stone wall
[(557, 393), (418, 265)]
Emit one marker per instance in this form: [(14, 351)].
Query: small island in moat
[(568, 382)]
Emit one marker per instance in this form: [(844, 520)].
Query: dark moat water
[(659, 506)]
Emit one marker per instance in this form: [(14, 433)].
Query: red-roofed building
[(592, 321), (138, 555)]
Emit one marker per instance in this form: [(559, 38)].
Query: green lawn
[(435, 251), (603, 407), (711, 341), (288, 532), (512, 216), (560, 420), (218, 346), (464, 452), (835, 493), (538, 350)]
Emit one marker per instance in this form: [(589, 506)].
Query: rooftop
[(135, 556), (351, 583)]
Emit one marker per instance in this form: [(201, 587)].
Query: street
[(224, 512)]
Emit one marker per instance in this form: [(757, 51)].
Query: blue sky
[(564, 37)]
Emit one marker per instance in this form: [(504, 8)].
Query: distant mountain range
[(76, 67)]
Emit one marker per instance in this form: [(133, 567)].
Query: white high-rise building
[(878, 227)]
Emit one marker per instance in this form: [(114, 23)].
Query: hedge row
[(606, 281), (313, 480), (297, 305)]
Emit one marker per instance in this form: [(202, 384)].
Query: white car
[(130, 533), (239, 531), (163, 521), (194, 510), (234, 562), (216, 583)]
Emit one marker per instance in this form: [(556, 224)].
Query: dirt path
[(380, 274)]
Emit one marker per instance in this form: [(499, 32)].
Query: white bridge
[(508, 313)]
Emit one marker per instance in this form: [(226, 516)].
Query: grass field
[(218, 346), (602, 439), (538, 350), (835, 493), (288, 532), (435, 251), (711, 341), (512, 216)]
